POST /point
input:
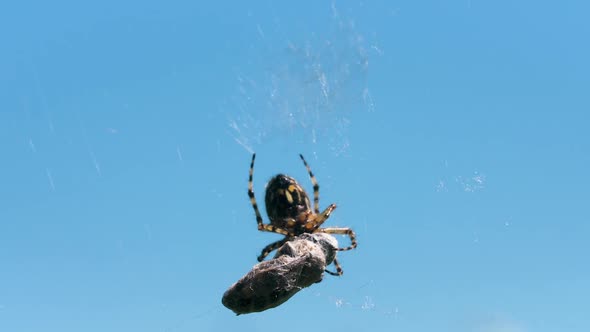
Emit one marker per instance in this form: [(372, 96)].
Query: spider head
[(287, 203)]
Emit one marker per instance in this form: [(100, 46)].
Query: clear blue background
[(453, 135)]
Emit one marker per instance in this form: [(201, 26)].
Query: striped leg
[(316, 187), (251, 195), (339, 271), (269, 248), (343, 231), (320, 218)]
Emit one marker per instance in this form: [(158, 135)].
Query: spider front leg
[(342, 231), (338, 272), (320, 218), (271, 247)]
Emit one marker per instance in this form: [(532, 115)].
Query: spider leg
[(343, 231), (316, 187), (269, 248), (251, 194), (261, 225), (320, 218), (338, 272)]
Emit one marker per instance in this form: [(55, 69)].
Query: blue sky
[(453, 135)]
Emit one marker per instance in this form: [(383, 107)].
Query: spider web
[(306, 92)]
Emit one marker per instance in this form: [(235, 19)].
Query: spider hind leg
[(271, 247), (252, 196)]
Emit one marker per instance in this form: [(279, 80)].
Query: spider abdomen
[(287, 203)]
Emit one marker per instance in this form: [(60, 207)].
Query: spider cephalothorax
[(289, 210)]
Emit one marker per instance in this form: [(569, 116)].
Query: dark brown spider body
[(287, 204), (289, 210)]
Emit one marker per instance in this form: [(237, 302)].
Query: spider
[(290, 214)]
